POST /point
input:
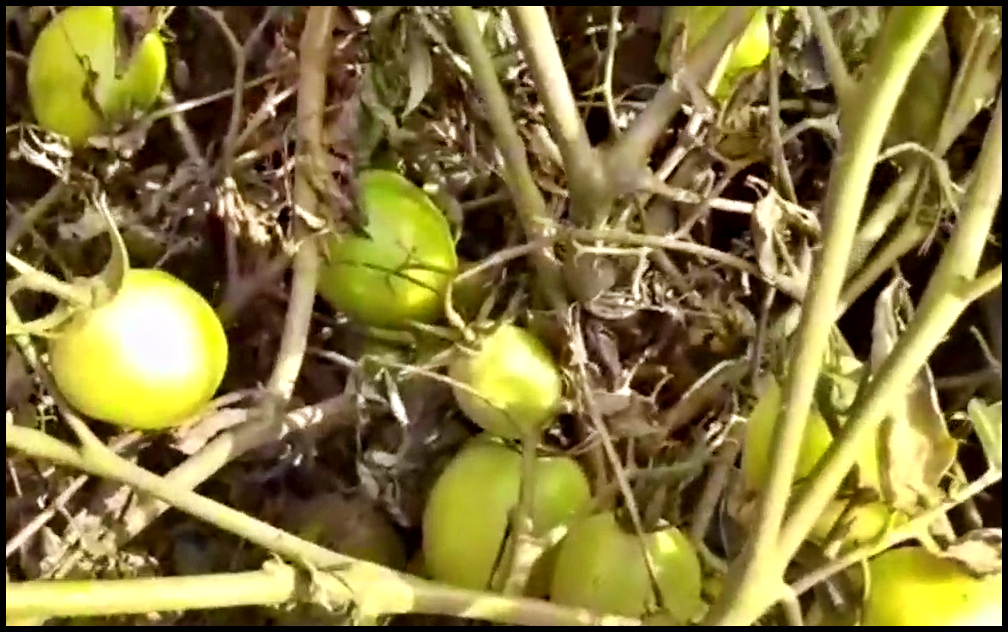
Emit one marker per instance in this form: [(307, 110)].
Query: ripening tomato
[(72, 83), (397, 270), (911, 586), (601, 566), (467, 514), (147, 359), (515, 385)]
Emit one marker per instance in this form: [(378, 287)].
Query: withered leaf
[(916, 447)]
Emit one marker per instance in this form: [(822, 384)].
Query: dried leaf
[(766, 215), (916, 447), (979, 552), (421, 70), (986, 420)]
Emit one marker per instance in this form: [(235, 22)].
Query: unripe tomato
[(77, 44), (862, 524), (759, 433), (398, 272), (518, 383), (601, 566), (149, 358), (467, 513), (912, 587), (747, 52)]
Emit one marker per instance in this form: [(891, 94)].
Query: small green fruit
[(913, 587), (398, 270), (602, 567), (516, 386), (148, 359), (467, 514), (77, 44)]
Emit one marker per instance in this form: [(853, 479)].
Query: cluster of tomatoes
[(165, 353)]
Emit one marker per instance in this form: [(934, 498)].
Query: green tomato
[(77, 44), (862, 524), (399, 271), (602, 567), (912, 587), (147, 359), (467, 514), (516, 388), (759, 429)]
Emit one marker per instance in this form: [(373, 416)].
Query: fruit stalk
[(903, 38), (529, 201)]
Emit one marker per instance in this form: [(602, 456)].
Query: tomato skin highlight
[(466, 515), (911, 586), (58, 76), (600, 566), (518, 388), (148, 359), (398, 272)]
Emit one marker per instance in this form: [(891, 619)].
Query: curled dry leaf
[(916, 447)]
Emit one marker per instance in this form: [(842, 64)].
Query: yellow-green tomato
[(756, 456), (601, 566), (72, 83), (747, 52), (514, 386), (467, 513), (913, 587), (397, 270), (147, 359)]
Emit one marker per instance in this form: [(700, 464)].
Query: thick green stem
[(586, 178), (531, 207), (948, 294), (756, 582), (91, 598)]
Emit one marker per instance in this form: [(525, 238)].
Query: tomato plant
[(467, 514), (72, 82), (396, 269), (601, 566), (148, 358), (515, 385), (911, 586)]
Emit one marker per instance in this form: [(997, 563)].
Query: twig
[(238, 94), (843, 85), (759, 570), (25, 221), (779, 157), (531, 207), (630, 154), (586, 178), (610, 63)]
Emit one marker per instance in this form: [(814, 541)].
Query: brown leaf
[(979, 552), (917, 449)]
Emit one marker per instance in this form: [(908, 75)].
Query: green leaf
[(986, 420)]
